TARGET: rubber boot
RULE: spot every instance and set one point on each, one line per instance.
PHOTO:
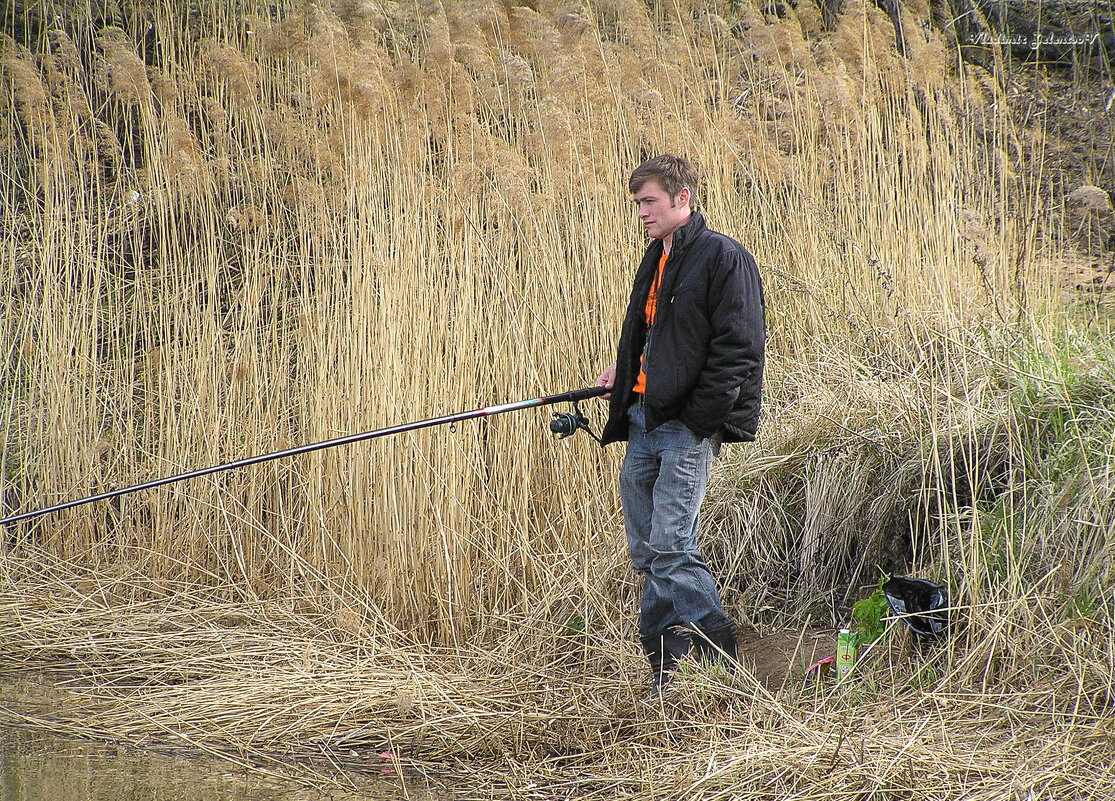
(664, 652)
(717, 646)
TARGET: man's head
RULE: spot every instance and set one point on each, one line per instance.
(663, 192)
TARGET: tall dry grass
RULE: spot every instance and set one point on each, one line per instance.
(285, 690)
(269, 231)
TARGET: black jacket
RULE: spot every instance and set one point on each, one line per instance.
(704, 355)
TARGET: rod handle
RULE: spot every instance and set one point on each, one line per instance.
(574, 395)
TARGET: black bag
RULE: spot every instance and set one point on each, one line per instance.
(922, 605)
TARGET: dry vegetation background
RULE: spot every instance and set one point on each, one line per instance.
(234, 229)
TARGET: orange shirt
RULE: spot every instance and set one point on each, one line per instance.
(651, 310)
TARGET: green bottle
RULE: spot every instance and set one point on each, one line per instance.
(845, 653)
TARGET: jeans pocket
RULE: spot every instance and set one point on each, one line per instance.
(635, 417)
(676, 436)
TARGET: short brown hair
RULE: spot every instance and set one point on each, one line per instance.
(672, 173)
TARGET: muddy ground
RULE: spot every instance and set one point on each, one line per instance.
(1073, 113)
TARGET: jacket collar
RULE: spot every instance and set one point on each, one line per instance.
(683, 238)
(687, 234)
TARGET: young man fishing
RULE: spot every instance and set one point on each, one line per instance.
(687, 378)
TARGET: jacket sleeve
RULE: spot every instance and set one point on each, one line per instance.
(737, 338)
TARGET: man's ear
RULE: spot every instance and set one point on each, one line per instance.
(682, 197)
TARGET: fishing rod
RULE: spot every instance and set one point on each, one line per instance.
(563, 425)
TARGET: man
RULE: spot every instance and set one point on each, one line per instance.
(687, 377)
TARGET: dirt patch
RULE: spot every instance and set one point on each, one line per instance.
(1068, 150)
(778, 658)
(1092, 277)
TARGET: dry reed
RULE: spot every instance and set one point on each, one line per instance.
(333, 222)
(284, 687)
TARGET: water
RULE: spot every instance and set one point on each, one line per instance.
(36, 766)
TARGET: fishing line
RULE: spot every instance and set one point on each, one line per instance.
(572, 396)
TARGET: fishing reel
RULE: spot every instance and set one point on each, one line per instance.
(566, 424)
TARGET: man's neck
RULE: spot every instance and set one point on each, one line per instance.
(668, 239)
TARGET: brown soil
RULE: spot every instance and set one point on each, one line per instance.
(1068, 148)
(779, 658)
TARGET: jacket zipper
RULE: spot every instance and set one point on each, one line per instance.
(646, 363)
(646, 354)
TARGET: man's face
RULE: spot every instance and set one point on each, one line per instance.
(660, 215)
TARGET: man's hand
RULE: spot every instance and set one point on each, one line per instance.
(607, 380)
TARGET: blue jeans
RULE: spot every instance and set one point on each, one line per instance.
(662, 483)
